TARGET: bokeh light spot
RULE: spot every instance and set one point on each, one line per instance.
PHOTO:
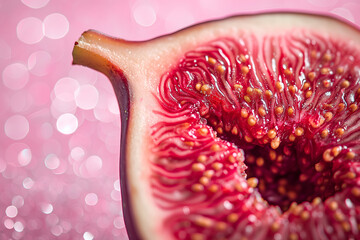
(24, 157)
(28, 183)
(47, 208)
(52, 161)
(30, 30)
(91, 199)
(88, 236)
(65, 89)
(86, 97)
(11, 211)
(93, 164)
(18, 226)
(144, 15)
(39, 63)
(67, 123)
(16, 127)
(35, 3)
(56, 26)
(15, 76)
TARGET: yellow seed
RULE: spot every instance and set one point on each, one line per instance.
(197, 187)
(260, 161)
(339, 132)
(204, 222)
(287, 72)
(242, 58)
(306, 86)
(316, 201)
(221, 69)
(244, 113)
(319, 167)
(355, 191)
(333, 205)
(238, 86)
(353, 107)
(198, 167)
(244, 70)
(305, 215)
(201, 158)
(279, 110)
(313, 54)
(279, 86)
(211, 60)
(275, 143)
(209, 173)
(272, 133)
(203, 131)
(327, 57)
(198, 86)
(350, 155)
(292, 90)
(275, 226)
(248, 138)
(251, 121)
(299, 131)
(281, 190)
(328, 116)
(291, 111)
(346, 226)
(339, 216)
(247, 98)
(215, 147)
(308, 94)
(220, 226)
(324, 133)
(217, 166)
(272, 155)
(292, 137)
(232, 217)
(189, 143)
(231, 159)
(325, 71)
(204, 180)
(235, 130)
(262, 111)
(252, 182)
(326, 83)
(327, 155)
(213, 188)
(268, 94)
(220, 130)
(292, 195)
(340, 70)
(249, 90)
(293, 236)
(341, 107)
(345, 84)
(197, 236)
(335, 151)
(303, 177)
(205, 88)
(311, 76)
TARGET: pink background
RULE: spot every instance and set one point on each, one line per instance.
(59, 124)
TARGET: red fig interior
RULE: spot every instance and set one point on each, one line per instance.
(243, 128)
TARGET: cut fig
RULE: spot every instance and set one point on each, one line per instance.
(243, 128)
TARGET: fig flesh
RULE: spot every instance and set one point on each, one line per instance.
(243, 128)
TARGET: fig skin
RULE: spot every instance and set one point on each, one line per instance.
(135, 70)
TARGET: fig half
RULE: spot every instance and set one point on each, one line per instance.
(243, 128)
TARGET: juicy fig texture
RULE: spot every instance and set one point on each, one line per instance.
(244, 128)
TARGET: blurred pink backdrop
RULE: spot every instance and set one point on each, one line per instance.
(60, 125)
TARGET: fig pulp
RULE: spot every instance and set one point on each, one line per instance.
(243, 128)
